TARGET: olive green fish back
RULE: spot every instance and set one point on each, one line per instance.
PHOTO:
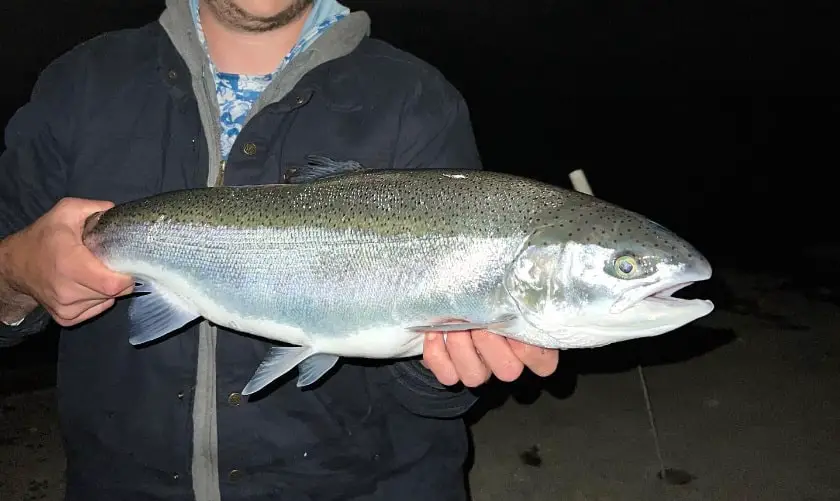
(414, 203)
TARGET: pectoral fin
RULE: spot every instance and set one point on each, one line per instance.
(500, 323)
(152, 316)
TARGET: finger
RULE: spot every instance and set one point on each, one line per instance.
(437, 359)
(94, 312)
(90, 272)
(498, 355)
(71, 312)
(87, 269)
(66, 294)
(76, 210)
(471, 370)
(542, 361)
(87, 314)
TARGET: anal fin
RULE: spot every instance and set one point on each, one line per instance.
(152, 316)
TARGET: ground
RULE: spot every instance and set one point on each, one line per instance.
(746, 401)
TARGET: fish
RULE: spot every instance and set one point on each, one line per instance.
(362, 264)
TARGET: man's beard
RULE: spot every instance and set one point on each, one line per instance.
(231, 14)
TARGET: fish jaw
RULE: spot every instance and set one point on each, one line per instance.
(650, 317)
(644, 311)
(651, 310)
(653, 315)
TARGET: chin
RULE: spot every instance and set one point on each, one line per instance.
(265, 8)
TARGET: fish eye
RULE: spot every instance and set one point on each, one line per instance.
(625, 266)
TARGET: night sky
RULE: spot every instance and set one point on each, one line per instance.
(717, 118)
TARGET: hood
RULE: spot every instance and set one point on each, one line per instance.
(341, 39)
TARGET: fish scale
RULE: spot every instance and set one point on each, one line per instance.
(361, 264)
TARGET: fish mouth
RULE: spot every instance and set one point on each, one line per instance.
(659, 297)
(647, 310)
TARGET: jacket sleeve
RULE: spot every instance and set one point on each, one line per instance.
(435, 132)
(33, 169)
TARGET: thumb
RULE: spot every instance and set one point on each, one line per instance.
(76, 211)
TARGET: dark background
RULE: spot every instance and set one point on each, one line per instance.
(717, 118)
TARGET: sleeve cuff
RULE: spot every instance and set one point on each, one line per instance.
(14, 324)
(419, 391)
(35, 322)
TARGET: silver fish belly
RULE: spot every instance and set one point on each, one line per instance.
(330, 293)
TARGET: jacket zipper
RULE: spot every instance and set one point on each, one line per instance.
(220, 178)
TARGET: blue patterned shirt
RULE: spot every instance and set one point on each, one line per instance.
(237, 93)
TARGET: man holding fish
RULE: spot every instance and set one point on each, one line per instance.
(230, 92)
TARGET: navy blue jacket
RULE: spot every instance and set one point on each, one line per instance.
(117, 118)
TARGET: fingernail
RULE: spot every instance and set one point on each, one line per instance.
(430, 336)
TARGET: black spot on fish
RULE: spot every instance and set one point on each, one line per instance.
(675, 476)
(531, 457)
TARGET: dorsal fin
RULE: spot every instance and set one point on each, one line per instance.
(320, 167)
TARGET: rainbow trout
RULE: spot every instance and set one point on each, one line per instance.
(363, 264)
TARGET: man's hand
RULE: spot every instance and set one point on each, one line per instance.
(471, 357)
(49, 263)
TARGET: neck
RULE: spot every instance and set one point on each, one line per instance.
(245, 53)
